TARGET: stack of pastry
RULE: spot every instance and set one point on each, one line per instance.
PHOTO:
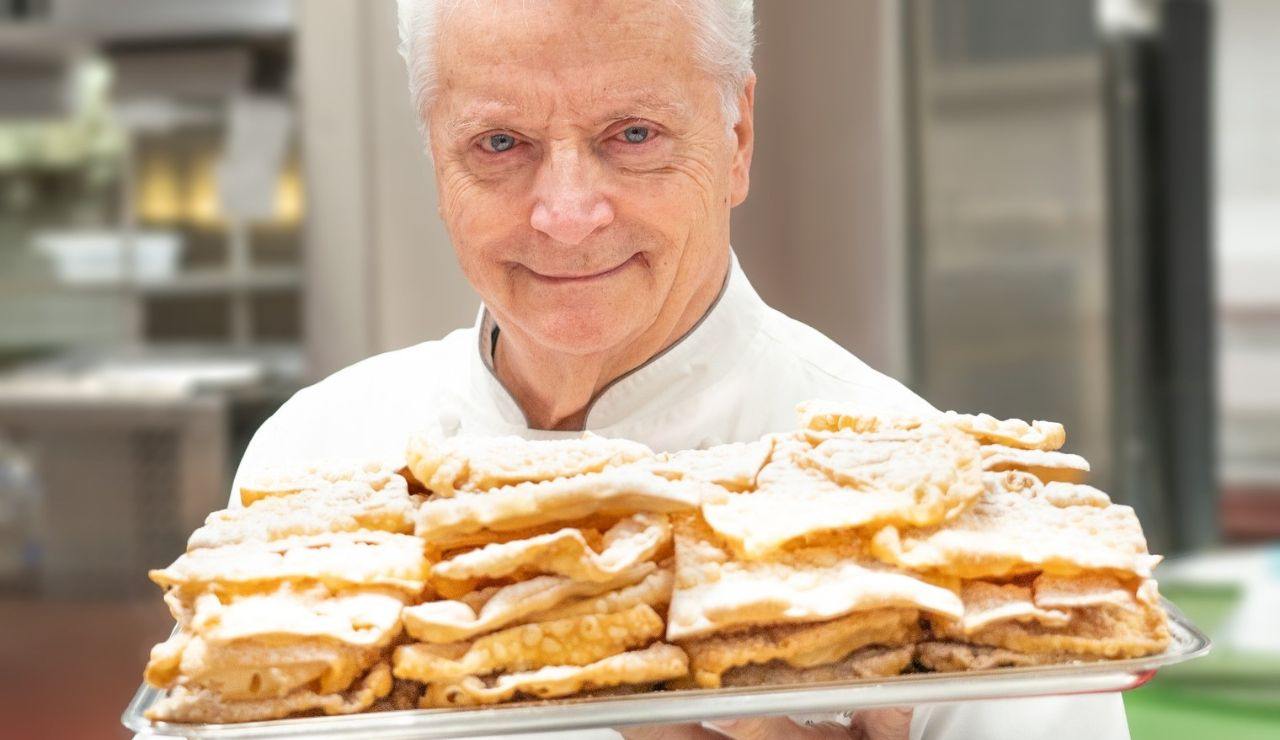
(291, 602)
(492, 570)
(552, 568)
(775, 584)
(1049, 569)
(872, 545)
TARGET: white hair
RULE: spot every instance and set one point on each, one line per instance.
(724, 33)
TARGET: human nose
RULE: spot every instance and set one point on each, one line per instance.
(569, 204)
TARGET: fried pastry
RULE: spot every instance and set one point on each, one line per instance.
(946, 657)
(566, 552)
(716, 591)
(1105, 632)
(1019, 525)
(257, 669)
(336, 559)
(287, 479)
(912, 478)
(1037, 435)
(343, 506)
(185, 704)
(454, 620)
(800, 645)
(618, 491)
(869, 662)
(987, 603)
(733, 467)
(658, 662)
(570, 641)
(1047, 466)
(367, 615)
(654, 591)
(469, 463)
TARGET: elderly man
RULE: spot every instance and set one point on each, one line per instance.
(587, 155)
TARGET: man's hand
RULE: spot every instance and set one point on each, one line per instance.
(872, 724)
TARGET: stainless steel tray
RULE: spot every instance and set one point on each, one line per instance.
(704, 704)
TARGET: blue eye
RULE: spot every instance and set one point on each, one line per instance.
(636, 134)
(501, 142)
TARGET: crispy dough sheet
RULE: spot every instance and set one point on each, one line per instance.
(566, 552)
(363, 616)
(1102, 631)
(257, 670)
(1038, 435)
(572, 641)
(1088, 589)
(1018, 526)
(800, 646)
(658, 662)
(868, 662)
(343, 506)
(733, 467)
(654, 591)
(616, 491)
(946, 657)
(1047, 466)
(986, 604)
(202, 705)
(820, 419)
(715, 591)
(828, 417)
(469, 463)
(1087, 615)
(911, 478)
(310, 475)
(336, 559)
(454, 620)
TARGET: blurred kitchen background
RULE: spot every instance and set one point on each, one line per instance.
(1060, 209)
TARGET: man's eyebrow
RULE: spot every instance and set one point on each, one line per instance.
(478, 118)
(484, 116)
(647, 105)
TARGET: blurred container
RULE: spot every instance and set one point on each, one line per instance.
(124, 481)
(89, 257)
(1229, 593)
(20, 502)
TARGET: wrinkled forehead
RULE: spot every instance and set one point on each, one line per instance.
(571, 59)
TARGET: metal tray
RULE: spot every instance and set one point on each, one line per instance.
(705, 704)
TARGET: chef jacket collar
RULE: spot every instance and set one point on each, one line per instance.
(709, 349)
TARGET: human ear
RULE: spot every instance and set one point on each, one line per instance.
(744, 142)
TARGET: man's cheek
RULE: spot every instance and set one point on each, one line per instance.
(480, 218)
(681, 196)
(466, 189)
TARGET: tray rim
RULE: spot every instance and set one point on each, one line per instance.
(702, 704)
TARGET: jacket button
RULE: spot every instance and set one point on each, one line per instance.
(450, 423)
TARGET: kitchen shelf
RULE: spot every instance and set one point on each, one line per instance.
(216, 281)
(192, 282)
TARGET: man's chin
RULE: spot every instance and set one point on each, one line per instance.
(583, 335)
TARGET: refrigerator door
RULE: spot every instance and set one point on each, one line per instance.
(1059, 247)
(1009, 244)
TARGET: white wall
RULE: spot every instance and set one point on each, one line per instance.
(380, 271)
(1247, 159)
(821, 233)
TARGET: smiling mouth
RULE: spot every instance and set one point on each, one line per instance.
(581, 278)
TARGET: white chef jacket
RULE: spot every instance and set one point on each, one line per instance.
(737, 375)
